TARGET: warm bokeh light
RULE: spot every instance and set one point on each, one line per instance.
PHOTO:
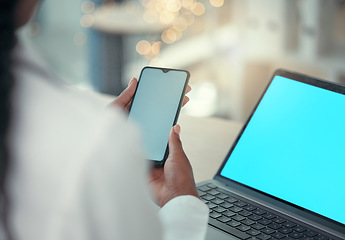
(169, 36)
(198, 9)
(156, 47)
(173, 6)
(87, 7)
(143, 47)
(177, 15)
(87, 21)
(217, 3)
(187, 3)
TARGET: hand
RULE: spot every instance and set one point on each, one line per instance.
(176, 177)
(124, 100)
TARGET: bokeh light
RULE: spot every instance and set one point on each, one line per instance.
(198, 9)
(87, 7)
(87, 21)
(143, 47)
(217, 3)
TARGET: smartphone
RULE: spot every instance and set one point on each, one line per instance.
(156, 106)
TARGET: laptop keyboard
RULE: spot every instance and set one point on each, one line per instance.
(247, 221)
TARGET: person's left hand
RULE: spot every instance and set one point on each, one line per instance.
(124, 100)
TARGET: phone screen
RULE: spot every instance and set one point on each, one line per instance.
(155, 107)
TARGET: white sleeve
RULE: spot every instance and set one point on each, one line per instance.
(112, 199)
(184, 218)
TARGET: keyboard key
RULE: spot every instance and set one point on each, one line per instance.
(289, 224)
(208, 197)
(296, 235)
(310, 233)
(259, 212)
(233, 223)
(275, 226)
(258, 226)
(231, 199)
(219, 209)
(210, 185)
(253, 232)
(204, 188)
(265, 221)
(240, 204)
(285, 230)
(224, 219)
(263, 236)
(278, 220)
(217, 201)
(238, 218)
(299, 229)
(278, 235)
(254, 217)
(231, 230)
(245, 213)
(269, 216)
(249, 207)
(267, 230)
(204, 201)
(213, 192)
(211, 205)
(215, 215)
(229, 213)
(247, 222)
(222, 196)
(243, 228)
(236, 209)
(226, 205)
(201, 193)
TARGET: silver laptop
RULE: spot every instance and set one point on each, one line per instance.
(284, 176)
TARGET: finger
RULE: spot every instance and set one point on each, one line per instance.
(189, 88)
(126, 96)
(185, 100)
(175, 144)
(128, 106)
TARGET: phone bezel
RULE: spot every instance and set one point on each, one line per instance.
(160, 163)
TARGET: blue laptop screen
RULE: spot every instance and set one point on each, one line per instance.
(294, 148)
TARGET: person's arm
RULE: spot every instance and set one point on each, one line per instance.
(183, 215)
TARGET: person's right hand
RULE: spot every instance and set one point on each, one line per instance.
(176, 177)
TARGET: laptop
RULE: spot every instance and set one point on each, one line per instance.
(284, 176)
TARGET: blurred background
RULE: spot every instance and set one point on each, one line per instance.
(231, 47)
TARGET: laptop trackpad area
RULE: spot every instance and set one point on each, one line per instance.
(215, 234)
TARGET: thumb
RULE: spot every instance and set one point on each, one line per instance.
(175, 144)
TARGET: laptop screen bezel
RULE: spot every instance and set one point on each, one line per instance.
(330, 223)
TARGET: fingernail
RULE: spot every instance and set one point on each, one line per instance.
(130, 82)
(177, 129)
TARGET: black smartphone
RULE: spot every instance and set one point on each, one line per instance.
(156, 106)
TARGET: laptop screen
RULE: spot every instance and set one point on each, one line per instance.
(294, 148)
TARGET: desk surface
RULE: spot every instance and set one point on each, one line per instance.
(206, 141)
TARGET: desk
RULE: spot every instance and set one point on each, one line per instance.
(206, 141)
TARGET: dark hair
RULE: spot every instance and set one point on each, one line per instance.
(7, 42)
